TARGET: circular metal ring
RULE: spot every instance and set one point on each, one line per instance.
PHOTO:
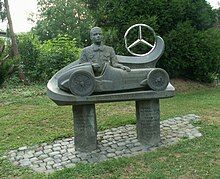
(140, 39)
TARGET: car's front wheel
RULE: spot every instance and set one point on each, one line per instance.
(82, 83)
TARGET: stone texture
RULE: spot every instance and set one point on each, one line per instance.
(85, 128)
(148, 121)
(121, 142)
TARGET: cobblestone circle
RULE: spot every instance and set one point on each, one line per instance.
(112, 143)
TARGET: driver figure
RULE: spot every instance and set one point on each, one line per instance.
(99, 54)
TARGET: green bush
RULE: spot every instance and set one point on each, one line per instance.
(4, 69)
(207, 68)
(6, 64)
(162, 15)
(55, 54)
(192, 54)
(41, 61)
(192, 50)
(28, 45)
(1, 68)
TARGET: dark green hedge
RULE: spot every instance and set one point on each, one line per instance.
(192, 54)
(192, 48)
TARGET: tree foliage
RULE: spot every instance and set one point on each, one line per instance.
(55, 54)
(41, 61)
(28, 45)
(58, 17)
(192, 54)
(217, 11)
(162, 15)
(191, 49)
(2, 11)
(14, 54)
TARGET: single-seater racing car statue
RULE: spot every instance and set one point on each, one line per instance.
(99, 70)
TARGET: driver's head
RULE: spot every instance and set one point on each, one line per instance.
(96, 35)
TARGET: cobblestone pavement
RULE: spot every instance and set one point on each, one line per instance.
(112, 143)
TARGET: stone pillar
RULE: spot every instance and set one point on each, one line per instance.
(85, 127)
(148, 121)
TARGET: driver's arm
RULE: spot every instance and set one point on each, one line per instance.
(83, 58)
(114, 61)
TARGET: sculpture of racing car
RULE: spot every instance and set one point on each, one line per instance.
(79, 79)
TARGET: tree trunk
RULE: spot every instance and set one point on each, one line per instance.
(11, 31)
(13, 40)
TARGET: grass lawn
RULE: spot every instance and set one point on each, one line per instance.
(28, 117)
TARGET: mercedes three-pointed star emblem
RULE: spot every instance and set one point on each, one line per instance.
(140, 39)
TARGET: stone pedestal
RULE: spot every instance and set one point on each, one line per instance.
(85, 127)
(147, 113)
(148, 121)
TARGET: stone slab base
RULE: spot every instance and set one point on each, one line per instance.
(112, 143)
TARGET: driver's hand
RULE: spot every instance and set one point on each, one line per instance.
(95, 66)
(126, 68)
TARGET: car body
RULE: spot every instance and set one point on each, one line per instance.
(65, 88)
(81, 81)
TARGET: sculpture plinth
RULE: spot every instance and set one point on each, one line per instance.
(85, 130)
(148, 121)
(85, 127)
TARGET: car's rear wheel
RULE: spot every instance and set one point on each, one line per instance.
(82, 83)
(158, 79)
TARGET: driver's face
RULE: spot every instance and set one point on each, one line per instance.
(96, 36)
